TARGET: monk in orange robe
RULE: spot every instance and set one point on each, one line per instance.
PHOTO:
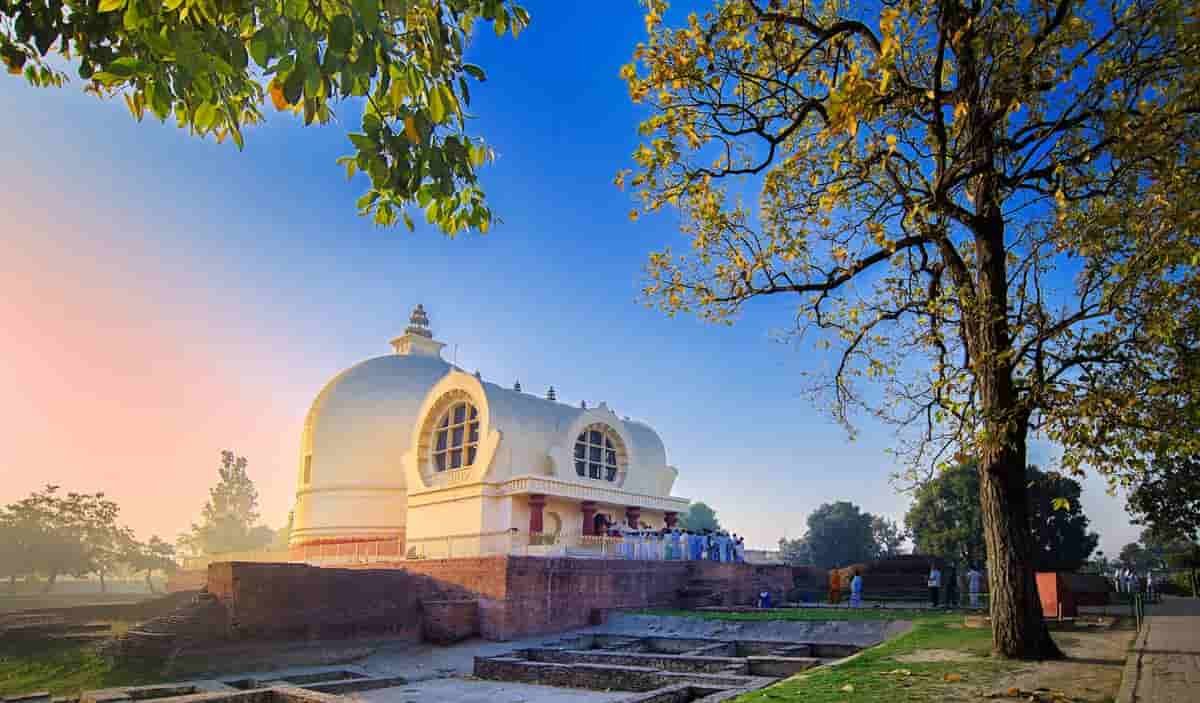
(835, 586)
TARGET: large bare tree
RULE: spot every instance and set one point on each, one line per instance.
(989, 207)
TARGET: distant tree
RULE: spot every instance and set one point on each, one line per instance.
(795, 552)
(150, 556)
(699, 517)
(946, 520)
(1167, 501)
(106, 542)
(888, 536)
(840, 534)
(1061, 539)
(14, 550)
(1134, 556)
(279, 541)
(229, 521)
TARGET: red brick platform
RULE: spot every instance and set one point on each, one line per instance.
(516, 596)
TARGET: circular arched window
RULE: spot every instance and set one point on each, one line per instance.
(456, 437)
(596, 453)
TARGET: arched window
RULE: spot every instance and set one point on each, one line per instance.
(456, 437)
(596, 454)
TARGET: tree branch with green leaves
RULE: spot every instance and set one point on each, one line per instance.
(211, 64)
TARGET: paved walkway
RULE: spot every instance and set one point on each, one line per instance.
(1165, 664)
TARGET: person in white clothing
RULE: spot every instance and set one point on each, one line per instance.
(974, 585)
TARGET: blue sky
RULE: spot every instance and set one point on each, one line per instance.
(255, 270)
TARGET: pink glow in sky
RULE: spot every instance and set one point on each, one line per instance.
(117, 378)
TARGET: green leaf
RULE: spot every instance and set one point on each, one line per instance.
(368, 10)
(111, 5)
(260, 47)
(341, 35)
(501, 23)
(437, 110)
(362, 141)
(475, 72)
(204, 116)
(171, 5)
(293, 85)
(103, 78)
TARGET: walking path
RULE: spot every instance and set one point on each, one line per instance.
(1165, 664)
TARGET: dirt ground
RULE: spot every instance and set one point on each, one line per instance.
(1092, 671)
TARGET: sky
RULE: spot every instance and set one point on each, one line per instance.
(163, 298)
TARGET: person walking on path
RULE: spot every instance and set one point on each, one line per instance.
(935, 584)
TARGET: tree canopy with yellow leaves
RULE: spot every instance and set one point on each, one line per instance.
(211, 64)
(987, 211)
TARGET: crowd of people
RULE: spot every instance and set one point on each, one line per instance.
(947, 589)
(677, 544)
(1129, 581)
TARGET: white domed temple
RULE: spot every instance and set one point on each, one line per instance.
(408, 455)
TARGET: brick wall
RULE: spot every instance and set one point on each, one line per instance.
(515, 596)
(449, 621)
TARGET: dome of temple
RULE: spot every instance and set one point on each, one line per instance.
(408, 445)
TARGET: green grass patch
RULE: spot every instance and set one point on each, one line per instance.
(883, 674)
(62, 668)
(809, 614)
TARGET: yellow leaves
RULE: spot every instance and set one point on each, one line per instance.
(891, 142)
(633, 215)
(952, 678)
(887, 20)
(848, 688)
(839, 254)
(885, 77)
(277, 98)
(410, 130)
(628, 72)
(111, 5)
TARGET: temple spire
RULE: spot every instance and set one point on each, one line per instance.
(417, 339)
(418, 323)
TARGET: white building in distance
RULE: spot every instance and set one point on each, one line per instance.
(408, 455)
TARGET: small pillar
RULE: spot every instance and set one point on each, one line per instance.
(537, 502)
(632, 514)
(589, 516)
(670, 518)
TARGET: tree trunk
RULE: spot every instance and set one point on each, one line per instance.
(12, 584)
(150, 583)
(103, 586)
(1018, 630)
(50, 582)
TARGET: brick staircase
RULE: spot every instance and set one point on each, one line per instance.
(158, 640)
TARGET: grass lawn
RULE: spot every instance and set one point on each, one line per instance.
(817, 614)
(938, 660)
(61, 668)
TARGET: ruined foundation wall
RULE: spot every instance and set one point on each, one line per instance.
(516, 596)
